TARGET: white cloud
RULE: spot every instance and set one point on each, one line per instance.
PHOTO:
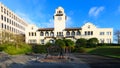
(50, 23)
(69, 22)
(95, 11)
(24, 16)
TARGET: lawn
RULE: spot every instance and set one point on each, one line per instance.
(111, 51)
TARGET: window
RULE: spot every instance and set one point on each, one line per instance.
(88, 26)
(29, 33)
(73, 33)
(108, 40)
(12, 22)
(101, 33)
(91, 32)
(51, 34)
(41, 34)
(32, 41)
(5, 11)
(108, 33)
(32, 34)
(102, 40)
(68, 33)
(1, 9)
(35, 34)
(46, 34)
(78, 33)
(85, 32)
(5, 19)
(59, 11)
(2, 25)
(5, 26)
(60, 34)
(1, 17)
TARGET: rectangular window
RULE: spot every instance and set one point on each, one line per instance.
(108, 33)
(5, 26)
(101, 33)
(35, 33)
(91, 32)
(7, 12)
(5, 19)
(85, 32)
(2, 25)
(88, 32)
(101, 40)
(1, 17)
(4, 11)
(1, 9)
(29, 33)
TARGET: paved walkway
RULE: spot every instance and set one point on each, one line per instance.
(24, 61)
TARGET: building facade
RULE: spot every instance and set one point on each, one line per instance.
(37, 35)
(11, 22)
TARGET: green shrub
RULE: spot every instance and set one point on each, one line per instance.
(39, 49)
(81, 42)
(92, 42)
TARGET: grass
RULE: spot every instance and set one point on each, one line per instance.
(11, 49)
(111, 51)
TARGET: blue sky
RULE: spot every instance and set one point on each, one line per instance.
(102, 13)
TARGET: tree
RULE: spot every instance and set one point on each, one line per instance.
(17, 39)
(60, 43)
(117, 34)
(69, 44)
(92, 42)
(81, 42)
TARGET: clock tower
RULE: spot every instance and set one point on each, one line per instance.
(59, 21)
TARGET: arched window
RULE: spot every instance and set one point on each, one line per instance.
(60, 11)
(78, 33)
(46, 34)
(52, 34)
(73, 33)
(68, 33)
(41, 34)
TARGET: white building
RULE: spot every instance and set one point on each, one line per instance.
(11, 22)
(43, 35)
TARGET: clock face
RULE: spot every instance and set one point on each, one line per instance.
(59, 18)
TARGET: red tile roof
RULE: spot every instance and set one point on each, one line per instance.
(68, 29)
(45, 29)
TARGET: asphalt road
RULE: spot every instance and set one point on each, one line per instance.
(95, 61)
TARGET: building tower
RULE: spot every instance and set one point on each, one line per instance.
(59, 21)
